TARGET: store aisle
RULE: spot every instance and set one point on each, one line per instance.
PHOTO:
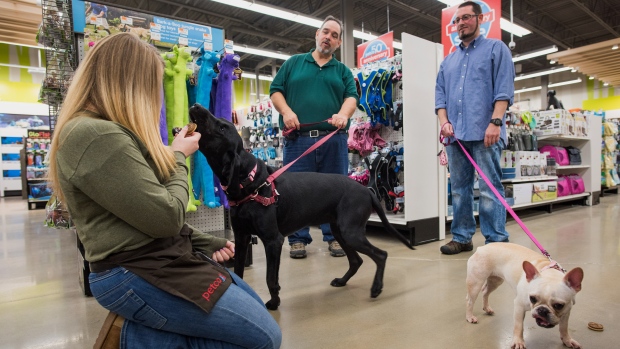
(422, 304)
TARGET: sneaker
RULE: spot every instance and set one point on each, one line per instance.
(298, 250)
(454, 247)
(335, 250)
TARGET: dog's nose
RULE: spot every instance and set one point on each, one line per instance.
(542, 311)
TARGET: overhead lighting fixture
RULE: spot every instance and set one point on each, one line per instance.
(605, 84)
(591, 78)
(533, 54)
(614, 47)
(569, 82)
(253, 76)
(563, 83)
(541, 73)
(295, 17)
(505, 24)
(273, 11)
(551, 62)
(261, 52)
(528, 89)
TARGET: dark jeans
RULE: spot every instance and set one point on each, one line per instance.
(331, 157)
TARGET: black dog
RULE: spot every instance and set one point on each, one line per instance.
(302, 199)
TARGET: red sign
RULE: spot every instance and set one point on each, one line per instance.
(378, 49)
(489, 26)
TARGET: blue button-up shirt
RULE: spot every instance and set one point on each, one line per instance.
(469, 82)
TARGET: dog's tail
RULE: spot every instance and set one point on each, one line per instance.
(376, 205)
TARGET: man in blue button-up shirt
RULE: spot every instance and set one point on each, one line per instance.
(475, 87)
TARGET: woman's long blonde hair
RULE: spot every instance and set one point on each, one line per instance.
(121, 80)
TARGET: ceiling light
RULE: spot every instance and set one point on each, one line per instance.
(541, 73)
(533, 54)
(551, 62)
(569, 82)
(614, 47)
(528, 89)
(295, 17)
(591, 78)
(261, 52)
(505, 24)
(605, 84)
(253, 76)
(573, 70)
(273, 11)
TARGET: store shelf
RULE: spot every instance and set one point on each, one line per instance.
(569, 167)
(398, 218)
(530, 179)
(541, 203)
(560, 199)
(11, 165)
(562, 138)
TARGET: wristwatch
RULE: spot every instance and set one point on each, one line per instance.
(496, 122)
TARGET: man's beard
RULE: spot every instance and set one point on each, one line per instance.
(325, 51)
(467, 36)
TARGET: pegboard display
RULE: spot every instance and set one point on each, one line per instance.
(207, 219)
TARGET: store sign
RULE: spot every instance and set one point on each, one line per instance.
(378, 49)
(489, 26)
(162, 32)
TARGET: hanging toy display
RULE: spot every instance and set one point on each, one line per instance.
(202, 174)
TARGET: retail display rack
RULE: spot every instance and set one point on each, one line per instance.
(36, 147)
(11, 143)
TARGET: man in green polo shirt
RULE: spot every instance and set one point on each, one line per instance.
(308, 88)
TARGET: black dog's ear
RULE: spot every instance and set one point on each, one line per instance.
(230, 172)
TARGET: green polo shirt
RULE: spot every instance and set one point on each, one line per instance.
(314, 93)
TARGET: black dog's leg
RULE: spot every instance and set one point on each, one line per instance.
(273, 250)
(354, 236)
(242, 241)
(355, 261)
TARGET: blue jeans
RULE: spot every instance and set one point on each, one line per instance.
(492, 212)
(158, 319)
(331, 157)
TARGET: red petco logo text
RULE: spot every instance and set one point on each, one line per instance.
(214, 285)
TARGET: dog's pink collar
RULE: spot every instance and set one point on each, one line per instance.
(553, 265)
(249, 179)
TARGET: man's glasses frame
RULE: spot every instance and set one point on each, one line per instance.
(464, 18)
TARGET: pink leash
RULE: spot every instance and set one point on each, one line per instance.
(275, 175)
(508, 208)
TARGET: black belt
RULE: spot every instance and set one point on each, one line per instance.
(317, 133)
(100, 266)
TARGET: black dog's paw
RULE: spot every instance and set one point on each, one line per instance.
(375, 291)
(338, 282)
(273, 304)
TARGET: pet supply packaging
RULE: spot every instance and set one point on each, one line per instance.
(544, 191)
(542, 157)
(581, 125)
(577, 185)
(563, 186)
(558, 153)
(551, 166)
(554, 122)
(509, 173)
(574, 155)
(521, 193)
(520, 163)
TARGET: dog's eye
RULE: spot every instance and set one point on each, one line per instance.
(222, 128)
(558, 306)
(533, 300)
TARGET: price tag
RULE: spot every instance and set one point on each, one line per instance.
(208, 46)
(182, 40)
(155, 36)
(126, 20)
(183, 31)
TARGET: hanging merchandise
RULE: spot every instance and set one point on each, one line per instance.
(202, 174)
(223, 100)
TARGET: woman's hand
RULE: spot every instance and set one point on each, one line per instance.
(225, 253)
(186, 144)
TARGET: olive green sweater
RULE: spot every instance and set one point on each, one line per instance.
(112, 193)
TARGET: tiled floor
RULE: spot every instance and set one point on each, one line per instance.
(422, 304)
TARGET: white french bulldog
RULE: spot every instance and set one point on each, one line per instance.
(546, 291)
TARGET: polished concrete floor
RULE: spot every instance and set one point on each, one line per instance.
(422, 304)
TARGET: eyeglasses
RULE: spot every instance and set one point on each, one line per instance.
(464, 18)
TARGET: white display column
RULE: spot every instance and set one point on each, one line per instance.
(425, 192)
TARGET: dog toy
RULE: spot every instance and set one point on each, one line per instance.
(180, 108)
(202, 174)
(223, 105)
(169, 60)
(163, 125)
